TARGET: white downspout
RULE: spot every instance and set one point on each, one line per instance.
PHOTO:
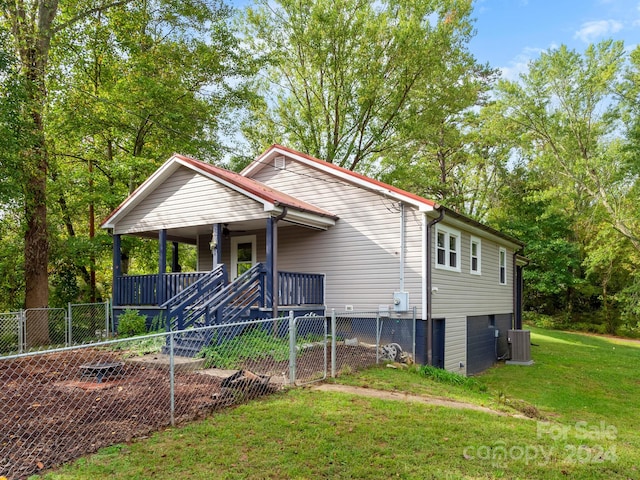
(403, 241)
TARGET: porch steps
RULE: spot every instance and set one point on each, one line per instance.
(188, 343)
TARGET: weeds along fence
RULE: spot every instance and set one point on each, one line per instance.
(62, 403)
(45, 328)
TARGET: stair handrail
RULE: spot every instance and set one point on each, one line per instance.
(192, 289)
(196, 294)
(234, 290)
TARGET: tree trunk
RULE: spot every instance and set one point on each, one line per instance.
(33, 41)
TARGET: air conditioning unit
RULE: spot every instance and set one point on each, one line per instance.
(520, 347)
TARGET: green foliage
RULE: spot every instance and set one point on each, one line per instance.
(346, 77)
(445, 376)
(255, 343)
(131, 323)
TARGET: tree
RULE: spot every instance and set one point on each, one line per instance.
(564, 111)
(564, 120)
(134, 85)
(344, 75)
(43, 35)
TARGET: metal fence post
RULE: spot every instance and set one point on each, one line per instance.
(292, 349)
(377, 338)
(333, 343)
(69, 335)
(21, 330)
(172, 392)
(106, 320)
(414, 333)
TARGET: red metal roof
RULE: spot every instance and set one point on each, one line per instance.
(258, 189)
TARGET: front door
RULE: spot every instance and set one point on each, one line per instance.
(243, 254)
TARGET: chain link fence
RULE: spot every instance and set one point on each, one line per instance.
(66, 402)
(46, 328)
(363, 339)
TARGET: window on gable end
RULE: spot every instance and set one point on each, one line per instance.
(502, 258)
(476, 256)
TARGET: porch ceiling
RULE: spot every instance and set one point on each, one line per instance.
(189, 235)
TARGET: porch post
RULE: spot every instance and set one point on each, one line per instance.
(175, 258)
(216, 245)
(271, 296)
(162, 266)
(117, 269)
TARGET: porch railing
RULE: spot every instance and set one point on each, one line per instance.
(300, 288)
(143, 289)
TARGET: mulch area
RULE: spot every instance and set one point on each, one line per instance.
(53, 413)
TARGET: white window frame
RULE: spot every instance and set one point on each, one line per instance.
(502, 266)
(234, 253)
(449, 233)
(475, 241)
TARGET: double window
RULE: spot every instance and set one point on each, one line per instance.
(447, 248)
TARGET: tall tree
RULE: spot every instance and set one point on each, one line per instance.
(134, 85)
(140, 34)
(567, 118)
(564, 119)
(345, 74)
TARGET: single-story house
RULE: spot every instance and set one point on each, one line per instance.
(311, 236)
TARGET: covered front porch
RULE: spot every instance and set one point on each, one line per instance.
(234, 223)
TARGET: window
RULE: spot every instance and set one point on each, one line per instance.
(447, 248)
(243, 255)
(475, 255)
(503, 266)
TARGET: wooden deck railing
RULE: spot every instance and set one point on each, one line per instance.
(300, 288)
(142, 290)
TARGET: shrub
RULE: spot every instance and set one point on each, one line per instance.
(540, 320)
(444, 376)
(131, 323)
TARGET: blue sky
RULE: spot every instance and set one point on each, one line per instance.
(512, 32)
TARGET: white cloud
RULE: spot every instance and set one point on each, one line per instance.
(520, 64)
(591, 31)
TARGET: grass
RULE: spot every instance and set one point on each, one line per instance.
(587, 387)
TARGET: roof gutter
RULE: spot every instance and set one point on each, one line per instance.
(428, 294)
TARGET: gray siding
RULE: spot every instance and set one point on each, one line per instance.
(360, 255)
(464, 294)
(188, 199)
(455, 344)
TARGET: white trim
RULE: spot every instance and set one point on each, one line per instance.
(233, 266)
(501, 251)
(475, 240)
(448, 233)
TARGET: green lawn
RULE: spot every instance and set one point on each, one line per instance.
(586, 387)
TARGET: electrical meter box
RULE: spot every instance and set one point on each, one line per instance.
(400, 301)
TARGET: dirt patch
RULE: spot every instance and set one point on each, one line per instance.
(407, 397)
(52, 414)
